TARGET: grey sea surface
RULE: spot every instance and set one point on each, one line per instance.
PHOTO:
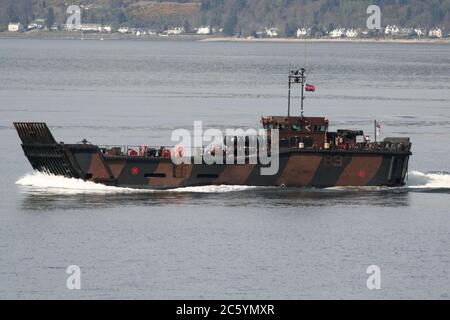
(222, 242)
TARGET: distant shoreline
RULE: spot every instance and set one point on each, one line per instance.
(327, 40)
(71, 35)
(66, 35)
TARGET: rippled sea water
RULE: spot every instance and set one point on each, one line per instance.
(226, 241)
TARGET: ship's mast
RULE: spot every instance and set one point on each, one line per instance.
(296, 77)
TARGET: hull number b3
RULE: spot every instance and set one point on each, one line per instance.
(332, 161)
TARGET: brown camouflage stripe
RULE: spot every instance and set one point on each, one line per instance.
(116, 167)
(299, 170)
(235, 174)
(98, 167)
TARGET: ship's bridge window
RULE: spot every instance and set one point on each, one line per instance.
(268, 126)
(319, 128)
(283, 126)
(296, 127)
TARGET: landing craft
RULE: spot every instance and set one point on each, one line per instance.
(308, 156)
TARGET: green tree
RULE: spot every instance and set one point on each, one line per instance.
(50, 18)
(121, 17)
(408, 14)
(290, 29)
(12, 15)
(229, 27)
(187, 26)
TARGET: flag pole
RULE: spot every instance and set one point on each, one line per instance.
(303, 85)
(289, 94)
(375, 129)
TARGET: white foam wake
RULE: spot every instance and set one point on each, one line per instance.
(43, 182)
(420, 180)
(214, 189)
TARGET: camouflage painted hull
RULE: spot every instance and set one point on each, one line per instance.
(297, 168)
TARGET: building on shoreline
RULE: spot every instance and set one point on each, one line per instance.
(174, 31)
(435, 33)
(351, 33)
(204, 30)
(303, 32)
(15, 27)
(90, 27)
(94, 27)
(420, 32)
(337, 33)
(272, 32)
(391, 30)
(124, 30)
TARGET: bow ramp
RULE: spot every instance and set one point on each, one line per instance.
(68, 160)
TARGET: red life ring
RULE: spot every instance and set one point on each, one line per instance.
(166, 153)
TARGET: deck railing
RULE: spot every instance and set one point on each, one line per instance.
(166, 151)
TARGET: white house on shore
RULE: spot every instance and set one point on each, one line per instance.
(419, 32)
(352, 33)
(92, 27)
(435, 33)
(391, 30)
(106, 29)
(204, 30)
(337, 33)
(124, 30)
(15, 27)
(303, 32)
(272, 32)
(175, 31)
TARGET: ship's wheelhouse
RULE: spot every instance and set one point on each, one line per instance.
(309, 132)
